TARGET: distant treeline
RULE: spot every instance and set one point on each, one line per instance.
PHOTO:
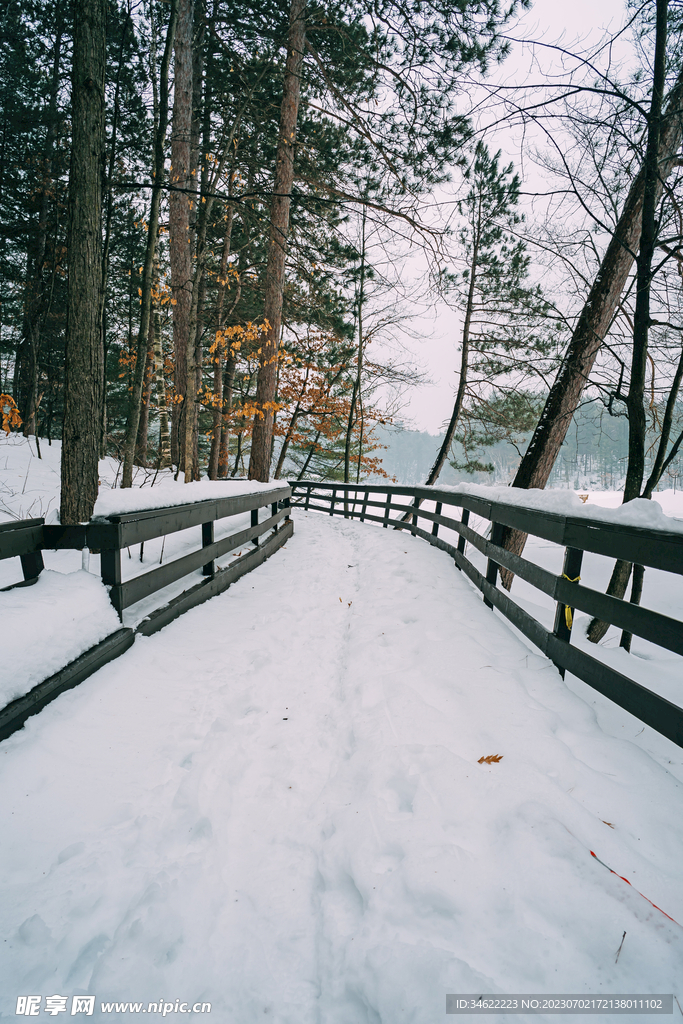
(593, 455)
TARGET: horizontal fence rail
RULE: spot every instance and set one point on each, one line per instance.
(382, 504)
(114, 534)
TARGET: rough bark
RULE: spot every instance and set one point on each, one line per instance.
(359, 364)
(198, 220)
(164, 460)
(108, 210)
(219, 355)
(648, 238)
(135, 403)
(259, 462)
(36, 290)
(143, 426)
(594, 321)
(84, 357)
(637, 424)
(180, 248)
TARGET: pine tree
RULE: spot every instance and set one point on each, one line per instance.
(508, 337)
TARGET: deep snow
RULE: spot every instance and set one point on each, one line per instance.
(49, 624)
(68, 611)
(275, 805)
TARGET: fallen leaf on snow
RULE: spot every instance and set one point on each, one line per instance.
(490, 759)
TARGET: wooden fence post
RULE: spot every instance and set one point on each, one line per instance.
(110, 569)
(365, 506)
(492, 567)
(464, 519)
(386, 511)
(207, 538)
(435, 525)
(32, 564)
(254, 522)
(564, 615)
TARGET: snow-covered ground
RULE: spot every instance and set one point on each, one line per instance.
(68, 611)
(276, 805)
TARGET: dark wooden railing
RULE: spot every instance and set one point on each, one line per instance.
(114, 534)
(399, 507)
(23, 540)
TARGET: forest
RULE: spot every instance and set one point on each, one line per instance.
(218, 221)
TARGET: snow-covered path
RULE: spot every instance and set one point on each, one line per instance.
(275, 806)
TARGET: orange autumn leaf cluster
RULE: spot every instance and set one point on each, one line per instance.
(9, 412)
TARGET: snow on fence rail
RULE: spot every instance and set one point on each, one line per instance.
(111, 535)
(656, 548)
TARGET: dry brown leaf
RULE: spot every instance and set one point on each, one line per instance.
(607, 822)
(490, 759)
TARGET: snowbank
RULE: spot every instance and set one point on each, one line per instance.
(47, 625)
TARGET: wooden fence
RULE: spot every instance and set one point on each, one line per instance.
(577, 534)
(112, 536)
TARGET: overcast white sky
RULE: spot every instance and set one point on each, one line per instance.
(578, 20)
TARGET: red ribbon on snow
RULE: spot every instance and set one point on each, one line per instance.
(633, 887)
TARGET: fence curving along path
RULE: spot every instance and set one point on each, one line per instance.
(113, 534)
(655, 548)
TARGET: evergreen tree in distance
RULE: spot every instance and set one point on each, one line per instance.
(508, 335)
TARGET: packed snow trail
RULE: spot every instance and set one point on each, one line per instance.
(275, 805)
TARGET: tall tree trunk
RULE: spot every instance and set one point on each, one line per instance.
(359, 364)
(180, 247)
(641, 320)
(219, 354)
(464, 364)
(648, 237)
(594, 321)
(35, 302)
(228, 389)
(238, 455)
(84, 362)
(108, 204)
(135, 401)
(143, 425)
(359, 461)
(198, 220)
(164, 460)
(259, 462)
(445, 448)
